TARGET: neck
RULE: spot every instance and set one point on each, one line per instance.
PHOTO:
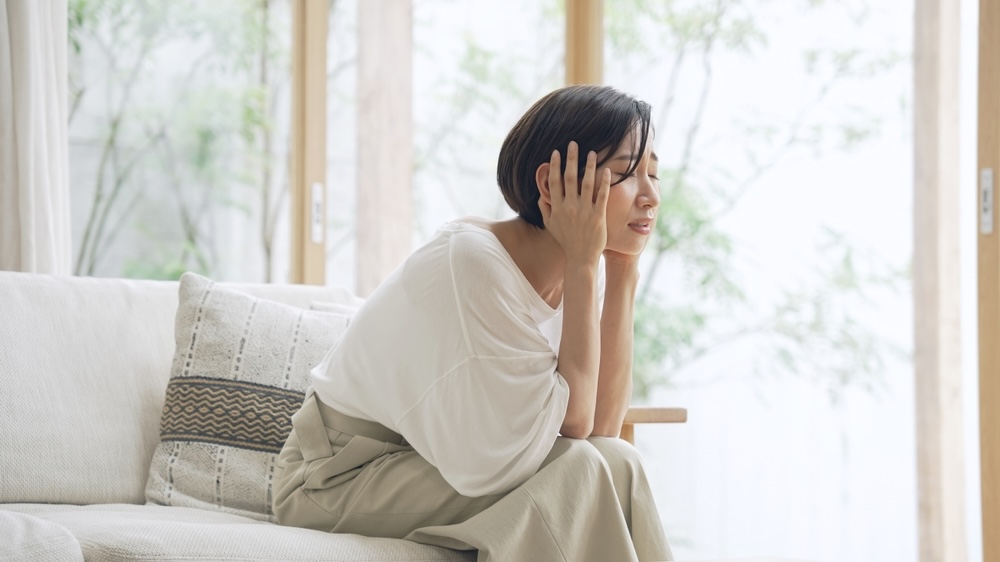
(537, 254)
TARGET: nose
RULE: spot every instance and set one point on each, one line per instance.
(649, 194)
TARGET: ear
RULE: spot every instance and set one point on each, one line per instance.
(542, 181)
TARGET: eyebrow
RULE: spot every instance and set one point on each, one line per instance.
(630, 157)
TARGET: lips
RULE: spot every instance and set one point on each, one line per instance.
(643, 227)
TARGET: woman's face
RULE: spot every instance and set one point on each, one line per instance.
(632, 204)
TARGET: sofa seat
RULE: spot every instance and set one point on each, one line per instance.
(126, 532)
(26, 538)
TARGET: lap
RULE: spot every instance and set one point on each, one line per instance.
(399, 492)
(365, 486)
(396, 494)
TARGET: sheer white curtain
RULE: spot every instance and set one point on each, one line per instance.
(34, 177)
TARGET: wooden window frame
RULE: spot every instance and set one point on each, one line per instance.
(308, 142)
(989, 276)
(584, 42)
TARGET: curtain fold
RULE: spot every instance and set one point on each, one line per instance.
(35, 224)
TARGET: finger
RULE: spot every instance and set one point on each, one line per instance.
(556, 190)
(587, 187)
(571, 187)
(603, 189)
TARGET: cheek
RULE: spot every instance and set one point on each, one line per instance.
(618, 203)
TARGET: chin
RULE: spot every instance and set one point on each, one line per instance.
(627, 249)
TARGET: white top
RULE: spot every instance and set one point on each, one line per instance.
(456, 352)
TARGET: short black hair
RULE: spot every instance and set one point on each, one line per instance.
(596, 117)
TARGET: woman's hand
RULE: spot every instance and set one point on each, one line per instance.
(576, 213)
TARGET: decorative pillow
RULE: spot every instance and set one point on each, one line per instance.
(240, 370)
(342, 309)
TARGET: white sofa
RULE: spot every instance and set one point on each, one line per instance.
(85, 365)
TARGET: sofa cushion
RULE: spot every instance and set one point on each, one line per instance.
(84, 364)
(27, 538)
(239, 372)
(112, 533)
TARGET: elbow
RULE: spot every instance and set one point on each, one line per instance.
(608, 425)
(580, 428)
(606, 430)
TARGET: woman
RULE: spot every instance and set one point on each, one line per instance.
(436, 416)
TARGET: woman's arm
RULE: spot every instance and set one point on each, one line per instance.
(576, 218)
(579, 349)
(614, 390)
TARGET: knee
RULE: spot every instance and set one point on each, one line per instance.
(579, 453)
(618, 454)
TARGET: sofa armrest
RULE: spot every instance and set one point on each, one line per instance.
(648, 414)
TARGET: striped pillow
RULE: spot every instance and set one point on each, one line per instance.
(239, 372)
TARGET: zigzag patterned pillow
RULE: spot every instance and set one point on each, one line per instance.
(239, 372)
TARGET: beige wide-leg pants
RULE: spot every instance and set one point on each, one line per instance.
(589, 501)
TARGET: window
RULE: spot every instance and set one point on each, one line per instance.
(179, 138)
(776, 300)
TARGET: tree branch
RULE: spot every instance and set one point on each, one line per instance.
(89, 244)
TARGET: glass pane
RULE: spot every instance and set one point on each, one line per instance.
(776, 302)
(179, 137)
(476, 71)
(476, 68)
(341, 142)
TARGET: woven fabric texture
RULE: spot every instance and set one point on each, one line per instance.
(26, 538)
(239, 414)
(117, 533)
(239, 372)
(84, 367)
